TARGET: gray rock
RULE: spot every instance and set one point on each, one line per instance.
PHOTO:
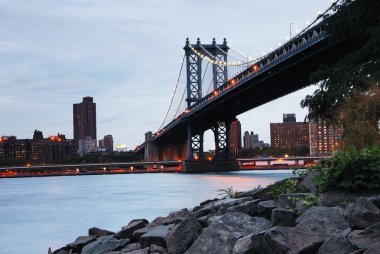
(157, 249)
(81, 241)
(138, 233)
(276, 240)
(219, 206)
(314, 227)
(253, 243)
(337, 244)
(211, 219)
(221, 236)
(183, 235)
(103, 245)
(375, 200)
(362, 239)
(283, 217)
(172, 218)
(373, 249)
(248, 207)
(293, 201)
(131, 247)
(203, 220)
(342, 197)
(308, 182)
(335, 215)
(127, 231)
(114, 252)
(264, 208)
(99, 232)
(156, 235)
(61, 252)
(271, 241)
(362, 214)
(141, 251)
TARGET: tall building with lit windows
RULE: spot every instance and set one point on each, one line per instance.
(324, 138)
(235, 137)
(84, 116)
(289, 134)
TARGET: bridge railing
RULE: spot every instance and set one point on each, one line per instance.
(297, 44)
(294, 46)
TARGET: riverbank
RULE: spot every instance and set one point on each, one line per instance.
(257, 221)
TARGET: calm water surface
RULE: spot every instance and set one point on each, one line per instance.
(39, 212)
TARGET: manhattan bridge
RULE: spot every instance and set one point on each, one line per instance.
(220, 83)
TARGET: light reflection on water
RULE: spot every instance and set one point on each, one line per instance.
(39, 212)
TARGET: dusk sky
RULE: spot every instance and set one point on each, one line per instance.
(127, 54)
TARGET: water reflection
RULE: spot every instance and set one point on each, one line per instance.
(52, 211)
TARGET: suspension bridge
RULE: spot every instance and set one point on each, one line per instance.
(218, 89)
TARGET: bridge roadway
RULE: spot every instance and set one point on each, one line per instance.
(283, 71)
(267, 163)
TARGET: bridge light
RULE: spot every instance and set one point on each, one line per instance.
(233, 82)
(209, 158)
(77, 170)
(162, 166)
(28, 165)
(286, 155)
(255, 67)
(215, 92)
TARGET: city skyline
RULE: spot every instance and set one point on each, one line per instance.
(53, 54)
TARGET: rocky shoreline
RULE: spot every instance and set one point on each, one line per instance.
(335, 222)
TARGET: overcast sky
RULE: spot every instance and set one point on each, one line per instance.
(126, 54)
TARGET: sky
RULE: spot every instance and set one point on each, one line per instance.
(126, 54)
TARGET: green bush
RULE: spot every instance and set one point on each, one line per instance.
(285, 186)
(350, 170)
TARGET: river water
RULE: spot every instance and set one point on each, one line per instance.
(39, 212)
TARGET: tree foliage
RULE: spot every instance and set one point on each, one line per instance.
(355, 75)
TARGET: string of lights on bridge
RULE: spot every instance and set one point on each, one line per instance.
(250, 60)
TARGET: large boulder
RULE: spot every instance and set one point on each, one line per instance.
(308, 182)
(337, 244)
(375, 200)
(274, 240)
(283, 217)
(362, 239)
(264, 208)
(172, 218)
(219, 206)
(362, 213)
(103, 245)
(373, 249)
(81, 241)
(99, 232)
(127, 231)
(183, 235)
(248, 207)
(131, 247)
(342, 197)
(220, 237)
(314, 227)
(140, 251)
(156, 235)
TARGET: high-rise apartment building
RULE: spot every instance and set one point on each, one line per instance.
(235, 137)
(247, 140)
(84, 115)
(108, 143)
(324, 138)
(289, 134)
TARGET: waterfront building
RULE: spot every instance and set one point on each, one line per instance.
(324, 138)
(289, 134)
(84, 116)
(255, 140)
(87, 145)
(247, 140)
(108, 143)
(38, 150)
(235, 137)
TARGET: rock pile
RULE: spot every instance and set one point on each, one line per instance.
(244, 225)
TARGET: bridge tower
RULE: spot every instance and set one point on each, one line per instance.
(221, 129)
